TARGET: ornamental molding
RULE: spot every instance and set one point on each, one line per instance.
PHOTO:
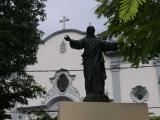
(62, 87)
(63, 47)
(139, 94)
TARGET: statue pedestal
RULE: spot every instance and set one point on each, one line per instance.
(96, 98)
(102, 111)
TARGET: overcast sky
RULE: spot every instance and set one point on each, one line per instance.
(80, 13)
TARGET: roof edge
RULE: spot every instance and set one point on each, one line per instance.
(61, 31)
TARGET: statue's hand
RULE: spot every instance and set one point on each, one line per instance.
(67, 38)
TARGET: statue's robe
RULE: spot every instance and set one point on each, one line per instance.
(93, 62)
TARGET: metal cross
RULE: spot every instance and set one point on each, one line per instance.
(64, 20)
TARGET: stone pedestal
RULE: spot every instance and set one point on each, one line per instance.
(102, 111)
(96, 98)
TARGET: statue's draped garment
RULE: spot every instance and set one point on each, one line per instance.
(93, 62)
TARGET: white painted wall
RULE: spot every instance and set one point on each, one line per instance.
(50, 58)
(146, 77)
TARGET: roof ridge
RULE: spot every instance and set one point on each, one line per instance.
(61, 31)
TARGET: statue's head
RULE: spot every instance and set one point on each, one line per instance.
(90, 31)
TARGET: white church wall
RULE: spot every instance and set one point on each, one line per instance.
(41, 78)
(108, 84)
(146, 77)
(79, 82)
(108, 81)
(50, 58)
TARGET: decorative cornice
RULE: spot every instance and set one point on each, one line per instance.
(31, 108)
(54, 94)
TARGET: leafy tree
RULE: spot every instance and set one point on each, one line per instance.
(129, 8)
(19, 40)
(155, 118)
(139, 39)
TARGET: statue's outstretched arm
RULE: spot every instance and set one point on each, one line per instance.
(109, 46)
(76, 44)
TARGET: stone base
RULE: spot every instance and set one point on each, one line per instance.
(96, 98)
(102, 111)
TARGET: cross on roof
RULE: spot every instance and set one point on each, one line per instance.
(64, 20)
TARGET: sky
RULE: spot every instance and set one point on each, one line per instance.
(80, 13)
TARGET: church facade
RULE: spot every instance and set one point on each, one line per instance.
(59, 69)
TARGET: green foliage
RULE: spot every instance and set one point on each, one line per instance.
(154, 118)
(129, 8)
(19, 40)
(138, 39)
